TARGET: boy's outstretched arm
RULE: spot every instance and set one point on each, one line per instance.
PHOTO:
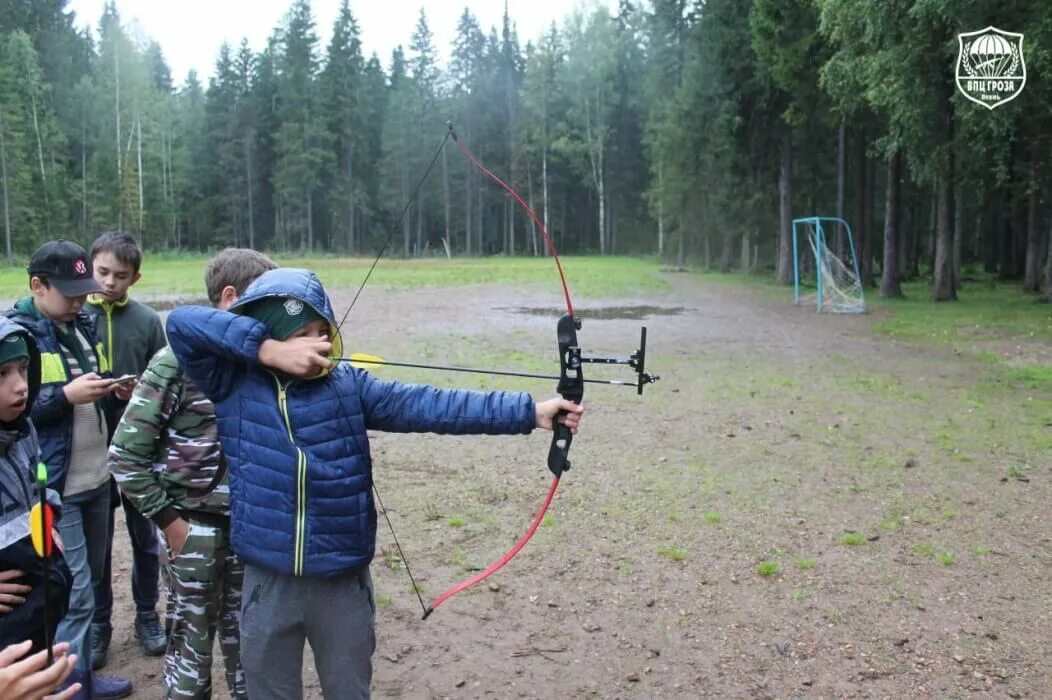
(548, 410)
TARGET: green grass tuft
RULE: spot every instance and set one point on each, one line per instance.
(673, 553)
(768, 568)
(853, 539)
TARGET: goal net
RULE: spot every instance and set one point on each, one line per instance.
(829, 276)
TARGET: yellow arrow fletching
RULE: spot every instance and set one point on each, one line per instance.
(40, 523)
(363, 360)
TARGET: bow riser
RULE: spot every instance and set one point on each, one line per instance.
(571, 388)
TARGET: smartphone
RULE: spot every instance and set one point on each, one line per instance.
(125, 379)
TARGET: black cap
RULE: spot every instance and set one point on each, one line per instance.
(65, 265)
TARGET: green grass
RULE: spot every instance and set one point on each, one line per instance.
(587, 276)
(1032, 376)
(804, 564)
(924, 549)
(768, 568)
(455, 521)
(947, 558)
(853, 539)
(984, 310)
(711, 517)
(673, 553)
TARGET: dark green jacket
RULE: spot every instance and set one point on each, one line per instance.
(131, 333)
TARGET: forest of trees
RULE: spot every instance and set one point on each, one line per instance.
(694, 130)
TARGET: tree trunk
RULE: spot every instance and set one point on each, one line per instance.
(784, 273)
(958, 233)
(419, 225)
(7, 196)
(43, 172)
(544, 194)
(889, 279)
(310, 223)
(841, 187)
(601, 187)
(942, 272)
(445, 199)
(1032, 264)
(405, 219)
(138, 162)
(1048, 268)
(83, 179)
(352, 243)
(467, 208)
(681, 251)
(868, 228)
(480, 243)
(529, 195)
(661, 208)
(117, 112)
(248, 191)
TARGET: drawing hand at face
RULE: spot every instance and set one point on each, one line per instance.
(303, 354)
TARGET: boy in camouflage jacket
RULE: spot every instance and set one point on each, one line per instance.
(170, 423)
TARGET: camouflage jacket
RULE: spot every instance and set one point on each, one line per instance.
(165, 453)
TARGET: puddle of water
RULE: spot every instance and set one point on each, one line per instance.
(603, 313)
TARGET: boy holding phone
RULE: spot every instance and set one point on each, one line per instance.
(72, 413)
(130, 333)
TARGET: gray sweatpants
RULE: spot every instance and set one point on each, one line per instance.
(336, 615)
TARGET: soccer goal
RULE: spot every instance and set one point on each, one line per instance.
(837, 282)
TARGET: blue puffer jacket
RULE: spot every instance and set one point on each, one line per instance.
(297, 450)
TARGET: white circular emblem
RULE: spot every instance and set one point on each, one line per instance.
(293, 307)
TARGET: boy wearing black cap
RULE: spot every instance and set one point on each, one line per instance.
(293, 425)
(71, 414)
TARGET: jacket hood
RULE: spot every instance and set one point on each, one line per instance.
(297, 283)
(8, 328)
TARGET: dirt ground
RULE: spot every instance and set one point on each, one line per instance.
(800, 508)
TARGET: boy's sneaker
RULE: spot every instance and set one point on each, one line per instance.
(100, 646)
(105, 687)
(150, 633)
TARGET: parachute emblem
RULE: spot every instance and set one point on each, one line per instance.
(990, 66)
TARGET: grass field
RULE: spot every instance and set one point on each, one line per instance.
(805, 504)
(588, 276)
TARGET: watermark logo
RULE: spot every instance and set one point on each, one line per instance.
(990, 66)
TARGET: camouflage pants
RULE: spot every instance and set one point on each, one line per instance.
(205, 582)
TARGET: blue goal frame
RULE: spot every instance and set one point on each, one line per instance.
(816, 221)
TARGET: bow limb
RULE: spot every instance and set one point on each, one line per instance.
(571, 387)
(499, 564)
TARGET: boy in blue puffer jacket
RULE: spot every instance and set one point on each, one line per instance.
(293, 428)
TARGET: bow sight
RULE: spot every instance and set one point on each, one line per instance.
(636, 361)
(571, 382)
